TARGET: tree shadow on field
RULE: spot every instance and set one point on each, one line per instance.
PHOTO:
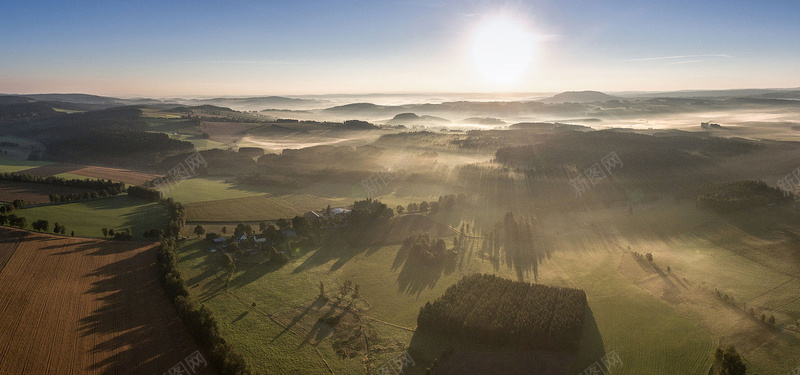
(416, 275)
(134, 327)
(335, 247)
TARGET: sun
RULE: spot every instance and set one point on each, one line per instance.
(502, 49)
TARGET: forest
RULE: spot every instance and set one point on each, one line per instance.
(491, 310)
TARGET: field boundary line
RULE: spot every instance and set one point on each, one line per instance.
(791, 278)
(324, 361)
(391, 324)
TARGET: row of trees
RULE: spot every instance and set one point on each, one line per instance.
(55, 198)
(497, 311)
(739, 195)
(112, 188)
(445, 202)
(121, 235)
(177, 216)
(369, 210)
(16, 204)
(197, 318)
(145, 193)
(39, 225)
(14, 221)
(423, 248)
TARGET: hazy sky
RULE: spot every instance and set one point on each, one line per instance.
(187, 48)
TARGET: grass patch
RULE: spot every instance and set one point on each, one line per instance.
(262, 207)
(87, 218)
(209, 189)
(10, 166)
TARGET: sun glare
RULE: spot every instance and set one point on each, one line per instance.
(502, 49)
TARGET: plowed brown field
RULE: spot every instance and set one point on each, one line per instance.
(115, 174)
(83, 306)
(32, 192)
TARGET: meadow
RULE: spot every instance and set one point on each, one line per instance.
(648, 332)
(257, 208)
(86, 218)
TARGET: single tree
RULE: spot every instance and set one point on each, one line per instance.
(400, 209)
(282, 223)
(111, 232)
(224, 230)
(424, 207)
(728, 362)
(105, 232)
(771, 320)
(199, 230)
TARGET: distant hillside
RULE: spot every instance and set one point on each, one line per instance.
(13, 99)
(793, 94)
(414, 119)
(740, 195)
(362, 109)
(77, 98)
(580, 97)
(547, 126)
(258, 103)
(483, 121)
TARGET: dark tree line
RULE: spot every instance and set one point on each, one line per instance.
(145, 193)
(177, 216)
(369, 210)
(423, 248)
(14, 221)
(111, 188)
(727, 362)
(491, 310)
(740, 195)
(197, 318)
(444, 203)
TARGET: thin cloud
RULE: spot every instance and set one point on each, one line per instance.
(680, 57)
(686, 62)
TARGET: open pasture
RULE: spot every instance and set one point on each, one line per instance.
(261, 207)
(86, 218)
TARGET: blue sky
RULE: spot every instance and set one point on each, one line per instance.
(315, 47)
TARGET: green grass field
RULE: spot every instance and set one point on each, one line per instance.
(648, 335)
(256, 208)
(10, 166)
(202, 189)
(87, 218)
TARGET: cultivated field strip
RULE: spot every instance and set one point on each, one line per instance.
(9, 241)
(81, 306)
(115, 174)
